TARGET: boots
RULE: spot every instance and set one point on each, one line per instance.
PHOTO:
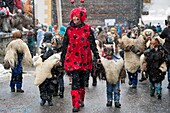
(159, 94)
(117, 105)
(82, 95)
(42, 102)
(94, 81)
(12, 89)
(75, 100)
(109, 103)
(50, 103)
(144, 77)
(152, 91)
(61, 94)
(20, 91)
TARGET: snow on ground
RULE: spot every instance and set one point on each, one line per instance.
(4, 74)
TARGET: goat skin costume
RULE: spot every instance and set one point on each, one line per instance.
(43, 69)
(13, 47)
(112, 69)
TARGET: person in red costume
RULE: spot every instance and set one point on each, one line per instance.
(76, 54)
(18, 4)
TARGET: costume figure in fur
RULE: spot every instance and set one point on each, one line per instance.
(133, 48)
(17, 53)
(156, 66)
(111, 69)
(46, 75)
(76, 55)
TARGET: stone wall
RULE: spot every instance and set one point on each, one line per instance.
(124, 11)
(5, 38)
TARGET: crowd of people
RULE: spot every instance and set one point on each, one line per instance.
(82, 49)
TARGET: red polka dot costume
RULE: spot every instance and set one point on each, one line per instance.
(78, 45)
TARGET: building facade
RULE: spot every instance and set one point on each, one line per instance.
(123, 11)
(43, 11)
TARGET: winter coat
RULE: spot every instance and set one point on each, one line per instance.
(77, 45)
(14, 47)
(166, 34)
(154, 60)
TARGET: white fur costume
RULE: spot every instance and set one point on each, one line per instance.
(11, 52)
(131, 59)
(43, 69)
(112, 69)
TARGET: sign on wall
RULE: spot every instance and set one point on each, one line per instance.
(110, 22)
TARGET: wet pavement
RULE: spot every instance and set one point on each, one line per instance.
(132, 100)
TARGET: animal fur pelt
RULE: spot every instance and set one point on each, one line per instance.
(143, 63)
(112, 69)
(132, 59)
(43, 69)
(15, 46)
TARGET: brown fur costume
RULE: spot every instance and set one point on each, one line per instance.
(132, 60)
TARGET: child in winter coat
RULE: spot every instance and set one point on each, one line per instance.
(155, 58)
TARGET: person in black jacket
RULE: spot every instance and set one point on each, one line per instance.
(155, 58)
(166, 35)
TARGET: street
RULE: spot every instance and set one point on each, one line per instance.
(132, 100)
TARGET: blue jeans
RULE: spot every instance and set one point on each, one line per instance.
(133, 78)
(16, 80)
(113, 88)
(157, 87)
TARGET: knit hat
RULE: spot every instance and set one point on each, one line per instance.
(79, 12)
(62, 30)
